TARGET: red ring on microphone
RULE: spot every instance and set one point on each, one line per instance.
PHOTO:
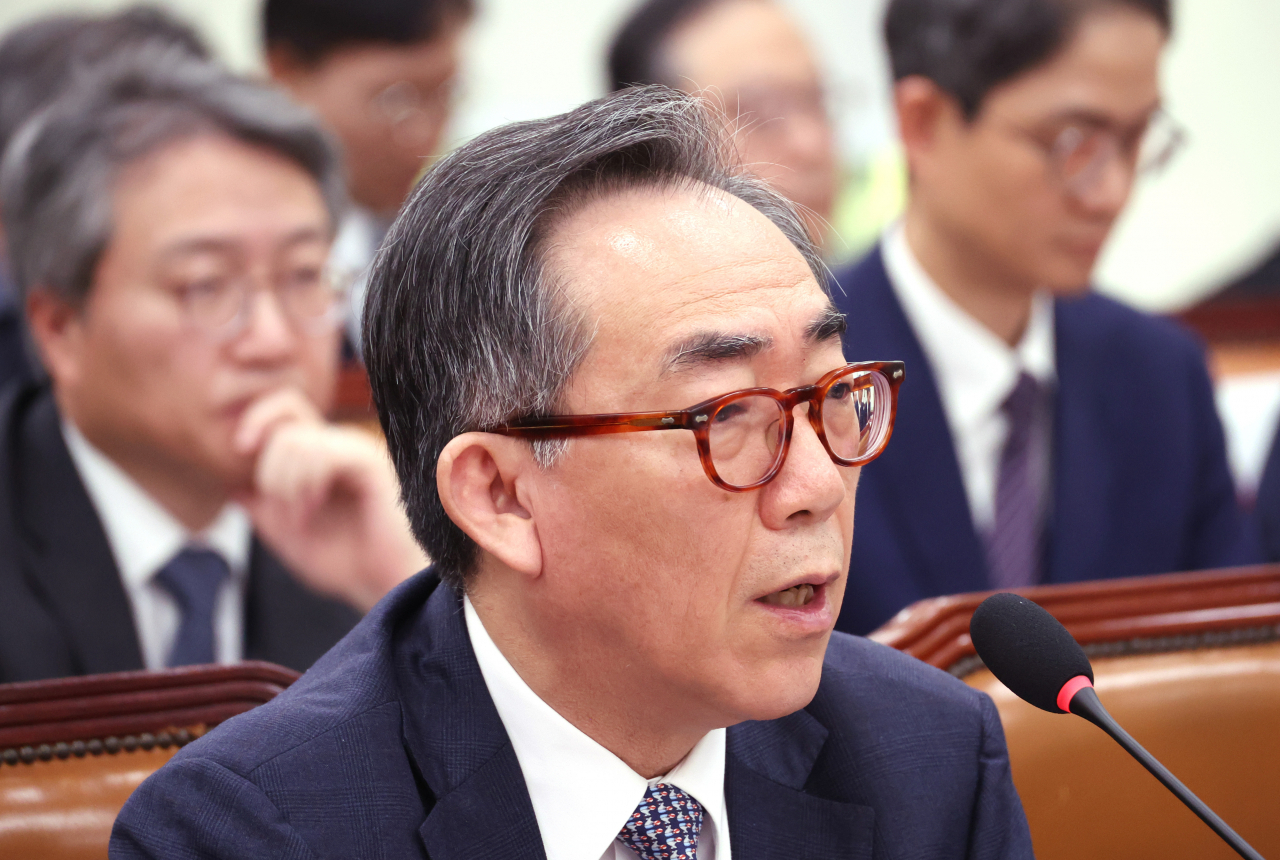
(1069, 690)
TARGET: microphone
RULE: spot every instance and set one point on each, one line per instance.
(1032, 654)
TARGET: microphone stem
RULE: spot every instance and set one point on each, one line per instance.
(1086, 704)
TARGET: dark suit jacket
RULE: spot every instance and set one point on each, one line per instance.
(1267, 504)
(65, 611)
(391, 747)
(1140, 482)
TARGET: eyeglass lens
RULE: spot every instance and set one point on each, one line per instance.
(309, 299)
(745, 435)
(1081, 155)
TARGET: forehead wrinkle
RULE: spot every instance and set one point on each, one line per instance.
(725, 295)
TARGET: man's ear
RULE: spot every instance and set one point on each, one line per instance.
(484, 482)
(922, 107)
(57, 328)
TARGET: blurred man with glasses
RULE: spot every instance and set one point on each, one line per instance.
(381, 74)
(613, 386)
(40, 59)
(752, 61)
(171, 495)
(1050, 434)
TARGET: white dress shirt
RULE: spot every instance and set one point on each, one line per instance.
(975, 370)
(354, 247)
(144, 537)
(583, 794)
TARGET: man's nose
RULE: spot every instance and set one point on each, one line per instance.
(267, 334)
(809, 486)
(1109, 191)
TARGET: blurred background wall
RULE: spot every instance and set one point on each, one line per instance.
(1212, 215)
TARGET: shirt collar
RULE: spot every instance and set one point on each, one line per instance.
(143, 535)
(974, 368)
(357, 239)
(582, 794)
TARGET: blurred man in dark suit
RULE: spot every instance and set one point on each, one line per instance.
(750, 58)
(37, 62)
(607, 601)
(381, 74)
(172, 495)
(1048, 434)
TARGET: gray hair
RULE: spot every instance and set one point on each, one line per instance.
(465, 327)
(40, 59)
(58, 172)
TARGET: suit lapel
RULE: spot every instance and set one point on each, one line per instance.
(771, 817)
(1082, 471)
(65, 554)
(464, 760)
(458, 745)
(918, 475)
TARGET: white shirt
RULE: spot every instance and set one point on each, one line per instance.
(144, 537)
(354, 248)
(975, 370)
(583, 794)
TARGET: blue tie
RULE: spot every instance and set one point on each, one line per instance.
(664, 826)
(194, 577)
(1013, 545)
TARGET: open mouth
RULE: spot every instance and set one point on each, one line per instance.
(792, 598)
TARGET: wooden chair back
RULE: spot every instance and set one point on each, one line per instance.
(1188, 663)
(72, 750)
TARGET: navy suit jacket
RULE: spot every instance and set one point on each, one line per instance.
(1140, 483)
(65, 607)
(1267, 504)
(390, 747)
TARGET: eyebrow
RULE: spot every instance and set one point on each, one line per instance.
(224, 246)
(1090, 116)
(830, 325)
(713, 347)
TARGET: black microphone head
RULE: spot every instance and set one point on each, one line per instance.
(1027, 649)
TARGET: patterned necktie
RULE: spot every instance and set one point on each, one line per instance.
(194, 577)
(664, 826)
(1013, 545)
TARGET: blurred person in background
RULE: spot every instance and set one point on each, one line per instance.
(171, 496)
(37, 62)
(750, 58)
(381, 74)
(1047, 434)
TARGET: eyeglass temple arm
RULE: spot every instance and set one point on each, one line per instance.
(599, 425)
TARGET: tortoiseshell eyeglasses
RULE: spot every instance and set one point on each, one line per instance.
(743, 436)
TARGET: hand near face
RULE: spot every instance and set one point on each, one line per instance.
(326, 499)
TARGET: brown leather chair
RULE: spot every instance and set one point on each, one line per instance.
(73, 749)
(1188, 663)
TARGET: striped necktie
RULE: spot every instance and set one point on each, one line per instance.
(1013, 544)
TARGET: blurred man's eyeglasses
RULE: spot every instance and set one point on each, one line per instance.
(311, 299)
(743, 436)
(1080, 153)
(414, 113)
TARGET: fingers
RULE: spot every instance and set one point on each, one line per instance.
(306, 464)
(297, 467)
(326, 499)
(266, 414)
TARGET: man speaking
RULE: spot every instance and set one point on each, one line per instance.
(625, 646)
